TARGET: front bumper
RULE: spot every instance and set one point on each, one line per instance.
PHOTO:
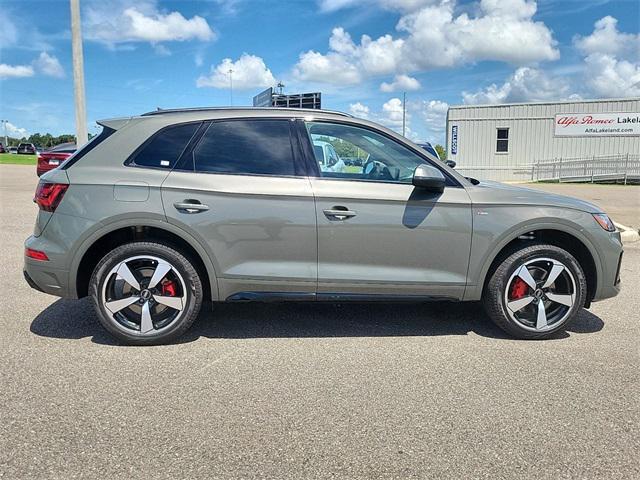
(609, 282)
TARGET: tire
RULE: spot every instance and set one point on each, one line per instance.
(535, 276)
(137, 312)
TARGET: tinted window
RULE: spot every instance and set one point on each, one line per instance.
(165, 147)
(260, 147)
(372, 156)
(87, 147)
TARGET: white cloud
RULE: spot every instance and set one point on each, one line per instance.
(434, 113)
(15, 71)
(124, 21)
(48, 65)
(612, 62)
(607, 76)
(525, 85)
(16, 132)
(249, 71)
(607, 39)
(401, 83)
(392, 114)
(359, 110)
(432, 36)
(330, 68)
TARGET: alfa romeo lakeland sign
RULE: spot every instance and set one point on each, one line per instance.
(596, 124)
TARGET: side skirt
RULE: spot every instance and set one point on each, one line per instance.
(332, 297)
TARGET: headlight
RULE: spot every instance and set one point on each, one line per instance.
(604, 221)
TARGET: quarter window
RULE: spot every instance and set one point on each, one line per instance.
(165, 147)
(254, 147)
(502, 142)
(354, 153)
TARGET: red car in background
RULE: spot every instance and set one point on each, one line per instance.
(50, 159)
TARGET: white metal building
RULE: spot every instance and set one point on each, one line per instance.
(507, 142)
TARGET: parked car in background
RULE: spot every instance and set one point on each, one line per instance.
(2, 149)
(327, 157)
(13, 150)
(27, 149)
(50, 159)
(429, 148)
(164, 211)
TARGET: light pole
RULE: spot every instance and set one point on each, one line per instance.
(6, 140)
(231, 86)
(78, 75)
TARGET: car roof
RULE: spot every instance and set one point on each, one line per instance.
(179, 115)
(253, 110)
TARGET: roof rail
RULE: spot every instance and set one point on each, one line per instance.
(162, 111)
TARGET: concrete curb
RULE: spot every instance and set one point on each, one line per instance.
(627, 234)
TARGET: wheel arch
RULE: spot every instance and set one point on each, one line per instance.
(559, 235)
(93, 249)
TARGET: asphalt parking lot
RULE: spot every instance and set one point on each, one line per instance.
(311, 390)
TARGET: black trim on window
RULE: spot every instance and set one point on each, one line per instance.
(93, 143)
(130, 161)
(314, 170)
(185, 162)
(307, 157)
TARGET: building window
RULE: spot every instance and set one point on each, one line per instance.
(502, 142)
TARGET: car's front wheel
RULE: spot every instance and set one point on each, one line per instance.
(146, 293)
(535, 291)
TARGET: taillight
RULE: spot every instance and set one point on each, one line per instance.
(49, 195)
(36, 254)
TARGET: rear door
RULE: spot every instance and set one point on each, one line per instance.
(240, 190)
(377, 234)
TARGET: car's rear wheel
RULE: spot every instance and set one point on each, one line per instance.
(146, 293)
(536, 291)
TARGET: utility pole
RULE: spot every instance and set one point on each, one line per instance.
(231, 86)
(78, 75)
(404, 112)
(6, 140)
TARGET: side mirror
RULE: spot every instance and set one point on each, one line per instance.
(428, 178)
(450, 163)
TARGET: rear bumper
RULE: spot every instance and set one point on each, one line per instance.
(44, 276)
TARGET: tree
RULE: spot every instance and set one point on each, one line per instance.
(442, 152)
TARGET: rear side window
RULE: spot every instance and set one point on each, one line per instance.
(93, 143)
(254, 147)
(165, 147)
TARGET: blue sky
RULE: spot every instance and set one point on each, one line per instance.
(361, 54)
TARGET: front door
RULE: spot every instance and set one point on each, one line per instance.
(377, 234)
(241, 193)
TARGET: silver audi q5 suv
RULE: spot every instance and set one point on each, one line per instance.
(164, 211)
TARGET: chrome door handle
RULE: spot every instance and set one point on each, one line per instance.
(191, 206)
(338, 213)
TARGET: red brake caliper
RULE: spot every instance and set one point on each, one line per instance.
(518, 289)
(168, 288)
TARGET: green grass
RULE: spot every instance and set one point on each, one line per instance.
(13, 159)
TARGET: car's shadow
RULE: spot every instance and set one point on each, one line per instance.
(76, 319)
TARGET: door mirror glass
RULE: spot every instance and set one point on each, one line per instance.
(428, 178)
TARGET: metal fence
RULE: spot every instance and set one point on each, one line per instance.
(622, 168)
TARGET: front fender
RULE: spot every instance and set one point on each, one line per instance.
(494, 227)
